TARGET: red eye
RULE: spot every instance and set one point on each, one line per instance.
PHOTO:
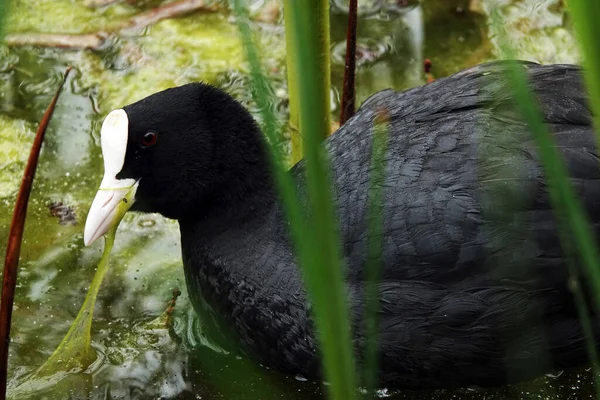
(149, 139)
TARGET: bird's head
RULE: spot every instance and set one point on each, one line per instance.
(177, 152)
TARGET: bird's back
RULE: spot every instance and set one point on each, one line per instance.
(474, 286)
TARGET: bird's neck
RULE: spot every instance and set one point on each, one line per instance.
(231, 211)
(241, 186)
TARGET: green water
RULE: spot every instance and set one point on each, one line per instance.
(136, 361)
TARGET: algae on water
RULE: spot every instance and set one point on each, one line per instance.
(15, 136)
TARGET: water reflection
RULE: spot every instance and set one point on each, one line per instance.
(390, 45)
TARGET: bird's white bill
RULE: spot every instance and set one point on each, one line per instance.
(108, 208)
(115, 196)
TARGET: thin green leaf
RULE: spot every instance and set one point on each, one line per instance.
(291, 65)
(261, 94)
(317, 248)
(325, 276)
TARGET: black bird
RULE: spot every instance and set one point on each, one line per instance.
(474, 287)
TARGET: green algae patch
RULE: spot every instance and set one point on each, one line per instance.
(64, 16)
(172, 53)
(137, 63)
(15, 136)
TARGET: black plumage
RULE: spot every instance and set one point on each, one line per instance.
(474, 287)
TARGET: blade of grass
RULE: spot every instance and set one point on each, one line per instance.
(574, 230)
(261, 94)
(375, 235)
(4, 9)
(317, 46)
(325, 276)
(586, 15)
(322, 60)
(292, 73)
(348, 91)
(316, 248)
(15, 238)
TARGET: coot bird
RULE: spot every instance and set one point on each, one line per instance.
(474, 287)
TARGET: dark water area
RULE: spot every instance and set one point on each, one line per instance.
(137, 359)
